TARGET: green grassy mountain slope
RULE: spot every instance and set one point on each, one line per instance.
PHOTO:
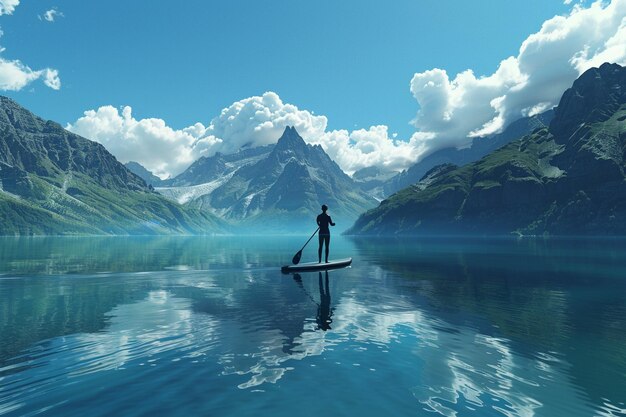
(479, 148)
(55, 182)
(567, 179)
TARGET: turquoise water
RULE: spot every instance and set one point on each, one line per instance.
(203, 326)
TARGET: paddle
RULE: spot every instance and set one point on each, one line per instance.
(297, 256)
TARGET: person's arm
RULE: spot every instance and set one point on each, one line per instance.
(318, 220)
(330, 221)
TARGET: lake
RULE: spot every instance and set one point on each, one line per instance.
(208, 326)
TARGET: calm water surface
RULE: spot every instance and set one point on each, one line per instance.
(208, 326)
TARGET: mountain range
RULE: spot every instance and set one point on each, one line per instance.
(276, 188)
(565, 175)
(55, 182)
(565, 179)
(372, 180)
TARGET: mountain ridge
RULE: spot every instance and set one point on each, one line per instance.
(565, 179)
(55, 182)
(479, 148)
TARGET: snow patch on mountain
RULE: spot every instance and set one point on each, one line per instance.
(186, 194)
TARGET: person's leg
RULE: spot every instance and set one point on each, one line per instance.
(327, 249)
(319, 251)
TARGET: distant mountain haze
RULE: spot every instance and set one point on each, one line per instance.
(139, 170)
(565, 179)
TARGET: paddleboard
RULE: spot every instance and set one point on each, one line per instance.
(316, 266)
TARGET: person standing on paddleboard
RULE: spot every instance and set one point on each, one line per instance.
(323, 220)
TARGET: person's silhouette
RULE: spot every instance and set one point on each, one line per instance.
(323, 220)
(324, 312)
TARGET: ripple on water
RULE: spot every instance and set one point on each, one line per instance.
(487, 374)
(149, 332)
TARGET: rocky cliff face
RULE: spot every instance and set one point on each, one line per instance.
(45, 149)
(207, 169)
(567, 179)
(55, 182)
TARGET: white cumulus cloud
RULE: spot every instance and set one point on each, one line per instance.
(254, 121)
(260, 120)
(8, 6)
(163, 150)
(365, 148)
(453, 110)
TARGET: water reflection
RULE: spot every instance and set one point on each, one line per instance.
(34, 309)
(452, 327)
(324, 311)
(549, 300)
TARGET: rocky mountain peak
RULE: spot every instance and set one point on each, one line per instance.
(290, 139)
(594, 97)
(277, 188)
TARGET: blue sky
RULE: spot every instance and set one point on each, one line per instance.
(184, 61)
(358, 63)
